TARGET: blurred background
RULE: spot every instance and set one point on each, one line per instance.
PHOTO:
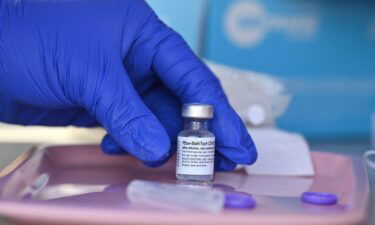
(324, 50)
(321, 51)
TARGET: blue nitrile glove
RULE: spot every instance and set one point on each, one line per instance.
(111, 63)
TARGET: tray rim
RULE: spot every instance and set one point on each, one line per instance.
(138, 217)
(17, 162)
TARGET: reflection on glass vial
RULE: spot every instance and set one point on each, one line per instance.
(196, 144)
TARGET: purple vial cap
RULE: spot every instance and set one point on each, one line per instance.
(319, 198)
(239, 200)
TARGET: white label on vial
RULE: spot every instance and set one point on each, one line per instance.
(195, 156)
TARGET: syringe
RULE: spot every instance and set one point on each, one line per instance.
(172, 196)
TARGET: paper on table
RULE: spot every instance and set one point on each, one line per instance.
(280, 153)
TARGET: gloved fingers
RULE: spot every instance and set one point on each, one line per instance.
(110, 147)
(121, 111)
(160, 162)
(223, 164)
(166, 108)
(233, 139)
(190, 79)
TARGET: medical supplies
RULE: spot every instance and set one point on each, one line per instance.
(319, 198)
(174, 197)
(196, 144)
(239, 200)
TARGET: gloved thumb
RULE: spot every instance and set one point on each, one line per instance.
(112, 99)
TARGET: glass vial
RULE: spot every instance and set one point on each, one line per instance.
(196, 144)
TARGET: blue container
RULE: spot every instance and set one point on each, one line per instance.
(184, 16)
(327, 48)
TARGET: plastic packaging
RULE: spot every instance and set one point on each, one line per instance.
(369, 157)
(258, 98)
(171, 196)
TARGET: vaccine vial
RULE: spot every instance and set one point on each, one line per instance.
(196, 144)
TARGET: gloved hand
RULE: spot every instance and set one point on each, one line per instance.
(111, 63)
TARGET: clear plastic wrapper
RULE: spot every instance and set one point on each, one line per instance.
(174, 197)
(258, 98)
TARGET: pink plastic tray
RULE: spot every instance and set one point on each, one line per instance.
(80, 185)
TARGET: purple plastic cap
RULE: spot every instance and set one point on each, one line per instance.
(239, 200)
(319, 198)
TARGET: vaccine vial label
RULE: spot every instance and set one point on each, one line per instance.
(195, 155)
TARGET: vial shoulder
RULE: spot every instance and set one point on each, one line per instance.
(197, 134)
